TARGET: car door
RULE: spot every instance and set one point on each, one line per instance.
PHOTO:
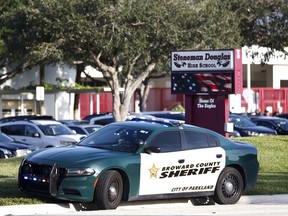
(267, 124)
(33, 137)
(16, 131)
(23, 133)
(209, 159)
(193, 166)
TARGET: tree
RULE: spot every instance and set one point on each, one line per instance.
(161, 70)
(41, 30)
(110, 34)
(265, 23)
(25, 40)
(234, 23)
(202, 32)
(139, 35)
(127, 40)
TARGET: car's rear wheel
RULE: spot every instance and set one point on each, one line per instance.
(109, 190)
(229, 187)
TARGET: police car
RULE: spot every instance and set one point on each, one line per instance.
(139, 160)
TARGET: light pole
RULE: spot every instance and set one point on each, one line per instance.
(40, 94)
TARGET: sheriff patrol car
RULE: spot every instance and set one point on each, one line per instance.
(142, 159)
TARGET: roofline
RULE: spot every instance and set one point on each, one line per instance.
(53, 91)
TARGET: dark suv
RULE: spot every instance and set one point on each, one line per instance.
(167, 114)
(243, 126)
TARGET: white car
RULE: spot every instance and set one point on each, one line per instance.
(107, 119)
(41, 133)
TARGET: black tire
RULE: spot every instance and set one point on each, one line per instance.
(2, 155)
(229, 187)
(109, 190)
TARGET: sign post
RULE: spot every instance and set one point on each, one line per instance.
(207, 78)
(40, 94)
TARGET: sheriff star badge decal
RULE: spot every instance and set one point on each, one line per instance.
(153, 171)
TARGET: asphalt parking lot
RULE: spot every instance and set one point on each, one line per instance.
(63, 208)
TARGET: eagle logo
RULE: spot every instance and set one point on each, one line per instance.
(223, 63)
(180, 64)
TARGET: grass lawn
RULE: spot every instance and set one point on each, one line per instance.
(272, 179)
(272, 157)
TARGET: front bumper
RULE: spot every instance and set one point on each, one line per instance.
(50, 180)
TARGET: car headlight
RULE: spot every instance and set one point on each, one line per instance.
(22, 152)
(6, 151)
(79, 171)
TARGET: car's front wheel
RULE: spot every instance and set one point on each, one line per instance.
(229, 187)
(109, 190)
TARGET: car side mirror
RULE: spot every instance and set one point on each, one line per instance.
(152, 149)
(36, 135)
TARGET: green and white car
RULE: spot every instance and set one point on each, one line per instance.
(140, 160)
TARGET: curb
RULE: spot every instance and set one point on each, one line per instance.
(65, 208)
(267, 199)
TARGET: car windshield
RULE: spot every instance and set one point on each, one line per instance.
(240, 121)
(283, 124)
(55, 130)
(117, 138)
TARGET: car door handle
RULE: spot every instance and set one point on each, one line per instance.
(181, 161)
(219, 155)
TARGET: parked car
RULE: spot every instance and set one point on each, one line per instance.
(73, 122)
(5, 153)
(40, 133)
(88, 117)
(85, 129)
(167, 114)
(102, 120)
(25, 117)
(274, 123)
(245, 127)
(142, 159)
(234, 133)
(107, 119)
(282, 115)
(10, 148)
